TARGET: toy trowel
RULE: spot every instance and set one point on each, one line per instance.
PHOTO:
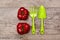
(42, 16)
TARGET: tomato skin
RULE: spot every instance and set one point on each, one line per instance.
(25, 14)
(23, 28)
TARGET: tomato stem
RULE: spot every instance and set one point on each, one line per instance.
(22, 28)
(22, 13)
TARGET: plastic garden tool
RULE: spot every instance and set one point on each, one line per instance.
(42, 16)
(33, 14)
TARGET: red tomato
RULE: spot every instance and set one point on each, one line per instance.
(23, 13)
(23, 28)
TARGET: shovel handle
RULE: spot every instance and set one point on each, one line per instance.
(42, 27)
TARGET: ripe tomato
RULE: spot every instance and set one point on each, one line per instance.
(23, 13)
(23, 28)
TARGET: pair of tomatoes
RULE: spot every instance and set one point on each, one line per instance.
(23, 28)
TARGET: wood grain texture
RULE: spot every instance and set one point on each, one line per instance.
(8, 20)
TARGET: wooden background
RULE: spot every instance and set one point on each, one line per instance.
(8, 20)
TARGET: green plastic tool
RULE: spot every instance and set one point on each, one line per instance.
(42, 16)
(33, 14)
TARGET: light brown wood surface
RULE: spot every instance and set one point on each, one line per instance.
(9, 20)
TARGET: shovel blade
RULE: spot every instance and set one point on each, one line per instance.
(42, 12)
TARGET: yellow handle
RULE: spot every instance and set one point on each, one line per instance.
(33, 27)
(42, 27)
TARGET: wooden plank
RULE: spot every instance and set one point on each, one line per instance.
(28, 3)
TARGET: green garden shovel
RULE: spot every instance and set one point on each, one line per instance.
(42, 16)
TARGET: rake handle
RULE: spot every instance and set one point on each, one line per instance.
(33, 27)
